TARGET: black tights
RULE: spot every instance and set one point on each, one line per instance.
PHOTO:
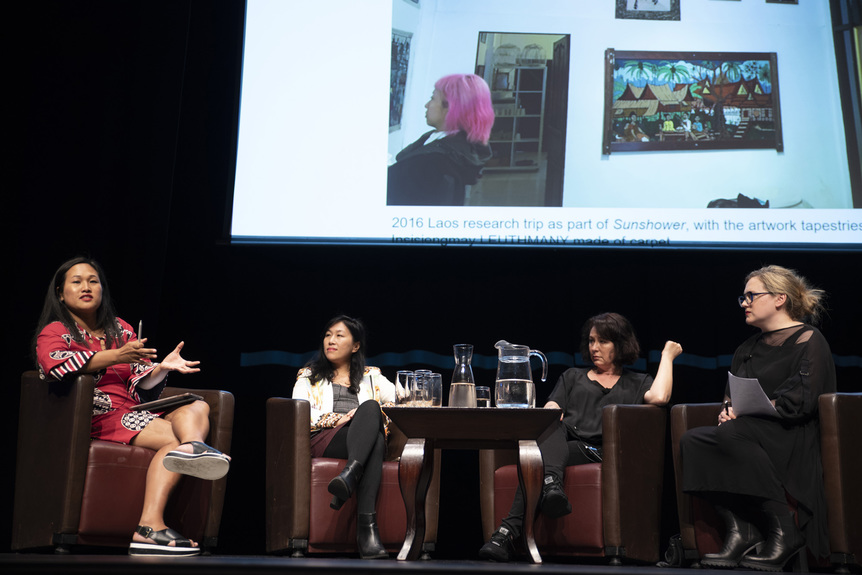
(362, 439)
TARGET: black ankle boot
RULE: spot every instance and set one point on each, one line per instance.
(368, 537)
(741, 538)
(344, 484)
(783, 542)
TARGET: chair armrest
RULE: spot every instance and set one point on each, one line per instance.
(53, 442)
(687, 416)
(683, 417)
(288, 471)
(633, 438)
(395, 443)
(221, 404)
(841, 444)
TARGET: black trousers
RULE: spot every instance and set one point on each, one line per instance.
(363, 439)
(558, 452)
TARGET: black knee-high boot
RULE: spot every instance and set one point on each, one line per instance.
(344, 484)
(741, 538)
(368, 537)
(783, 542)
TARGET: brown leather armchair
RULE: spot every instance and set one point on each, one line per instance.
(841, 443)
(71, 490)
(298, 517)
(840, 446)
(615, 504)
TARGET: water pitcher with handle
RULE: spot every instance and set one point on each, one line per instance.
(514, 386)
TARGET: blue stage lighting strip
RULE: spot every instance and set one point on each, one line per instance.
(489, 362)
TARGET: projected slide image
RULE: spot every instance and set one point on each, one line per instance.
(568, 149)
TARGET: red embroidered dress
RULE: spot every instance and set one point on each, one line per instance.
(116, 386)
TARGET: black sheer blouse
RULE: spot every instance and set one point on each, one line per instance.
(794, 366)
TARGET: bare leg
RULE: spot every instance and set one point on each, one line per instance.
(188, 423)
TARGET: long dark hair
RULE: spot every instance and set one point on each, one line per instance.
(616, 329)
(321, 368)
(55, 310)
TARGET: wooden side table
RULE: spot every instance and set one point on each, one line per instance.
(430, 428)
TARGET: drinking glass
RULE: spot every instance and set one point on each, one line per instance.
(420, 395)
(483, 396)
(403, 386)
(435, 388)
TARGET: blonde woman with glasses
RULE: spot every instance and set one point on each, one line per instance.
(747, 466)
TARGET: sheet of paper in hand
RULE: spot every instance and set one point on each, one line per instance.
(748, 398)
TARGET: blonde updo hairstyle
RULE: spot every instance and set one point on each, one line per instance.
(803, 301)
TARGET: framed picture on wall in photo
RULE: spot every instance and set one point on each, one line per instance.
(648, 9)
(691, 101)
(398, 76)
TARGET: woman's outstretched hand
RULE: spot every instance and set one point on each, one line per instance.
(175, 362)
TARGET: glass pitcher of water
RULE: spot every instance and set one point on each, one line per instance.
(514, 385)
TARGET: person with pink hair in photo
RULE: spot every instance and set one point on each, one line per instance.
(434, 170)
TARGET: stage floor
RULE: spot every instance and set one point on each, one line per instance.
(236, 564)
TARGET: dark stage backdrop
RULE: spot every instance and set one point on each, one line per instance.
(129, 117)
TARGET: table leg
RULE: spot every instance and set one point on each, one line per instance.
(414, 475)
(530, 472)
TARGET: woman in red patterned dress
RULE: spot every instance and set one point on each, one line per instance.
(79, 333)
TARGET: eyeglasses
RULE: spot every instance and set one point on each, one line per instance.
(748, 297)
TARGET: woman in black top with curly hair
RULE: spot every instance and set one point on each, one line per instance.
(609, 341)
